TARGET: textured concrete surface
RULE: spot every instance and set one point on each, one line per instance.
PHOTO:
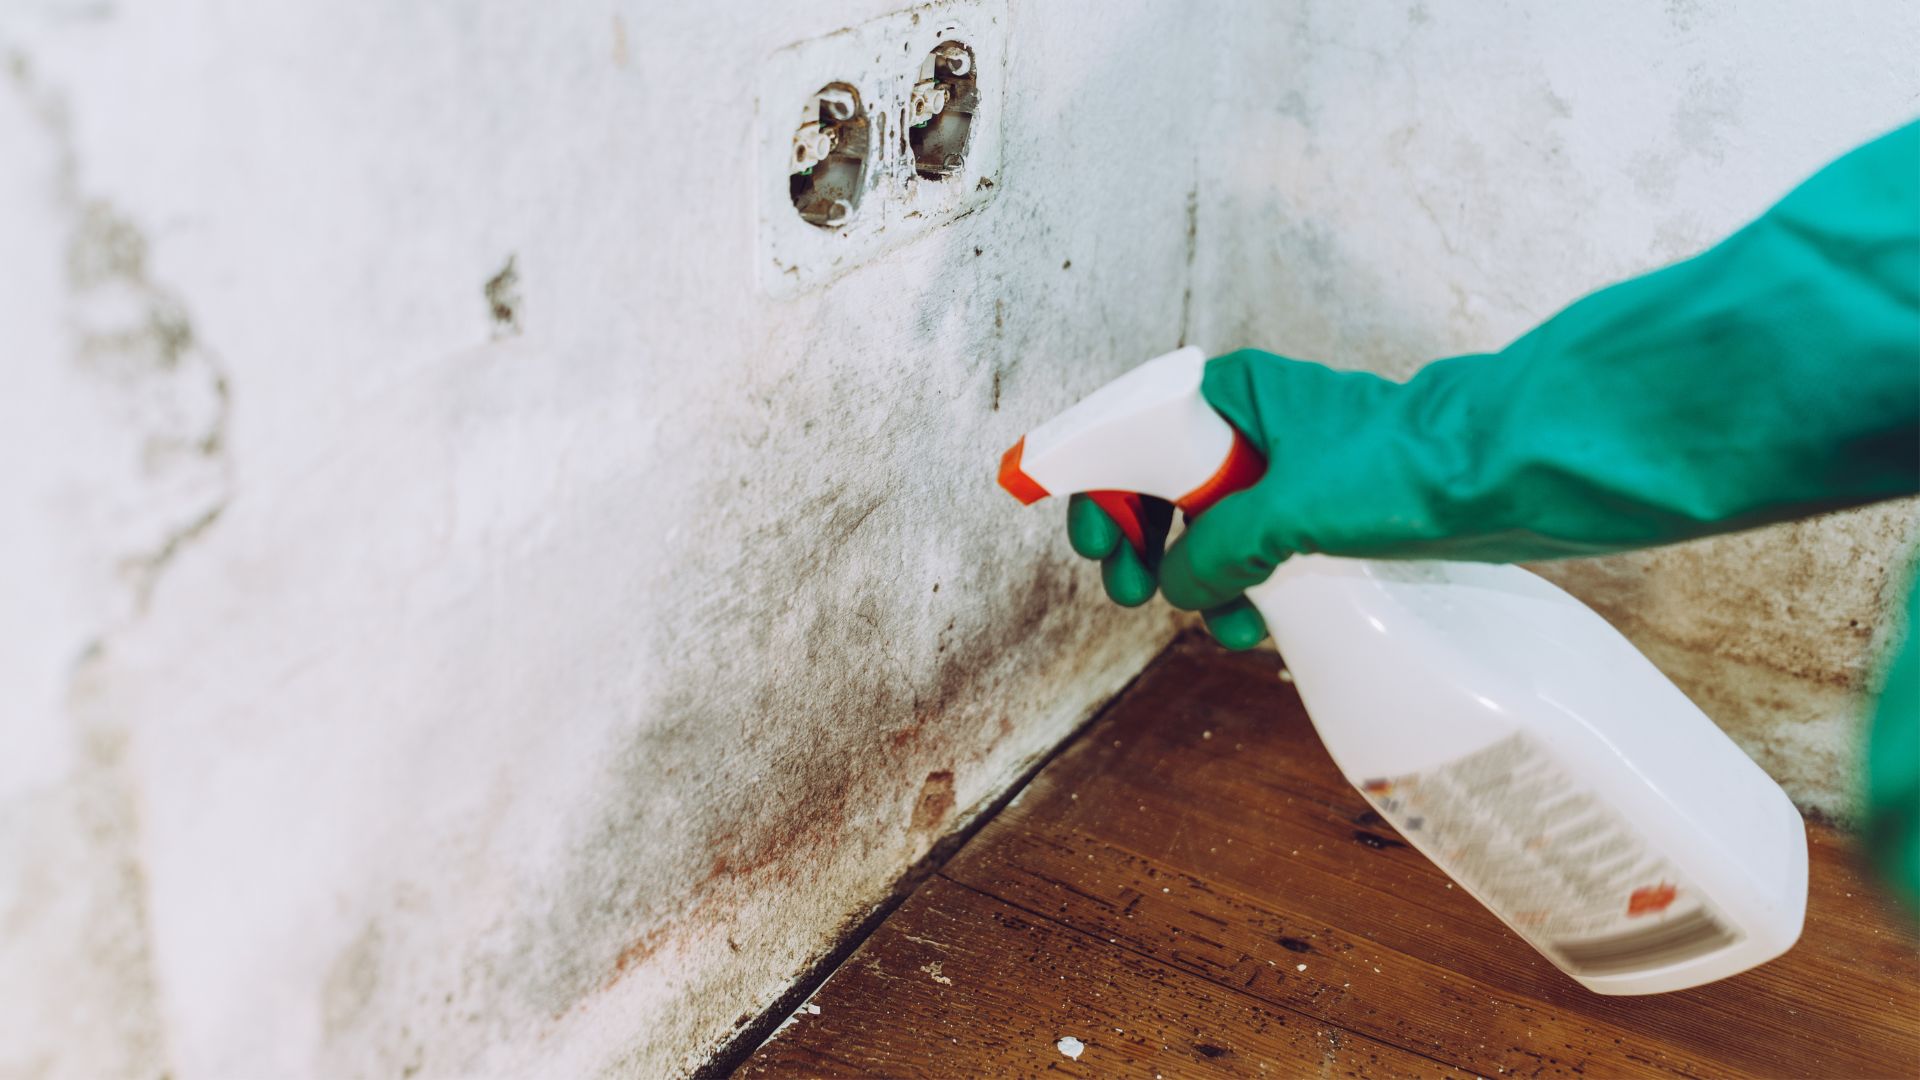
(454, 624)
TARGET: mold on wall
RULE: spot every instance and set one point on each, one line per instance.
(497, 637)
(1777, 634)
(462, 626)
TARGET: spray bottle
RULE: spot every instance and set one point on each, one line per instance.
(1508, 732)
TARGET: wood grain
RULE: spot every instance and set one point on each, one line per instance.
(1191, 889)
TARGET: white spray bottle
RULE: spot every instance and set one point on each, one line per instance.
(1508, 732)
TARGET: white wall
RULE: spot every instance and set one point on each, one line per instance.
(404, 692)
(393, 690)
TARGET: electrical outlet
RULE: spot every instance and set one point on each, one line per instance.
(872, 136)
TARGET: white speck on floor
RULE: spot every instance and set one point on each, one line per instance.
(1070, 1046)
(1206, 734)
(1285, 675)
(812, 1009)
(933, 972)
(1299, 967)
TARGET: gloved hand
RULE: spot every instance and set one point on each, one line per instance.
(1770, 378)
(1130, 578)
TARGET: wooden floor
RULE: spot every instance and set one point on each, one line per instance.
(1191, 889)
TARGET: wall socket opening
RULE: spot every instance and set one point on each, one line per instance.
(940, 111)
(828, 169)
(871, 136)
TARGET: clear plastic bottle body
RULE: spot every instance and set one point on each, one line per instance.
(1511, 734)
(1518, 741)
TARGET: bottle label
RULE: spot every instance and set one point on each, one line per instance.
(1553, 860)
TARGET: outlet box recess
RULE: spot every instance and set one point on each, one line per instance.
(929, 85)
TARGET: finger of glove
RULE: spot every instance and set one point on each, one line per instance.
(1126, 577)
(1236, 625)
(1131, 577)
(1229, 549)
(1090, 530)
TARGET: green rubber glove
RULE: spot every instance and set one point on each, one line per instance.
(1129, 577)
(1773, 377)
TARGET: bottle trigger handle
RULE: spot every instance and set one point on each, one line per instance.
(1148, 433)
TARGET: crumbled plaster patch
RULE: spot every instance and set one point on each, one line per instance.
(933, 972)
(935, 803)
(1070, 1046)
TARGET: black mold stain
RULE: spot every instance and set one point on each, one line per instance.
(503, 300)
(351, 983)
(828, 645)
(146, 351)
(1193, 244)
(105, 248)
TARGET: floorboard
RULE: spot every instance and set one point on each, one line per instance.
(1191, 889)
